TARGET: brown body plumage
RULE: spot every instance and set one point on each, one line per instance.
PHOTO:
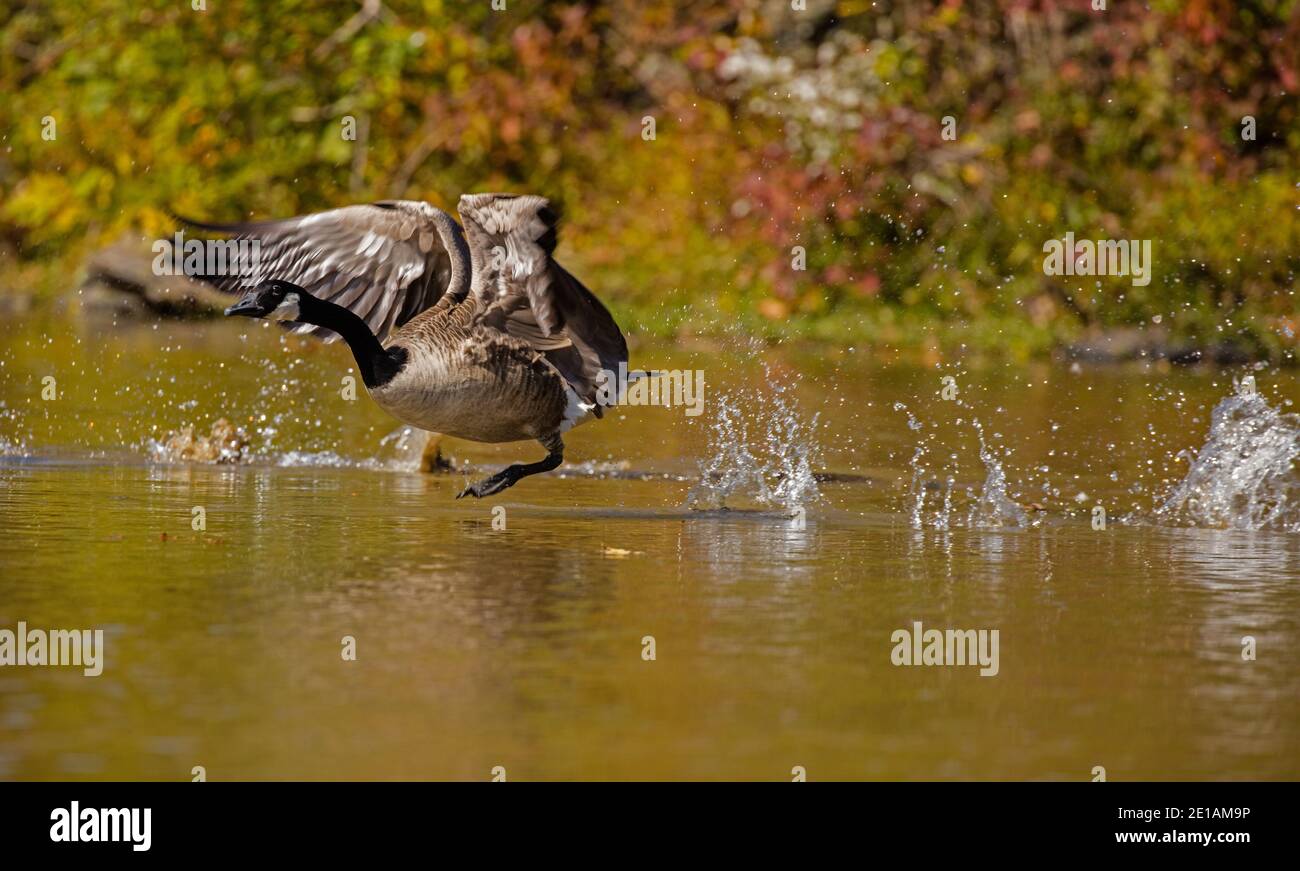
(471, 382)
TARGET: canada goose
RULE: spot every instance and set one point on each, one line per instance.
(488, 338)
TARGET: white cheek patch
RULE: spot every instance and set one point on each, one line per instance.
(287, 310)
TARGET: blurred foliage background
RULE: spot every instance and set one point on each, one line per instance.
(774, 127)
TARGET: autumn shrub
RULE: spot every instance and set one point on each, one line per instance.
(912, 157)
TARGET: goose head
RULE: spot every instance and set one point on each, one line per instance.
(274, 299)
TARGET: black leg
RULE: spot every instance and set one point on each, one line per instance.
(511, 475)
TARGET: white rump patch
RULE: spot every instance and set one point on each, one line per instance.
(576, 411)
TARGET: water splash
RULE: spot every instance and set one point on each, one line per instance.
(319, 460)
(405, 449)
(992, 507)
(793, 449)
(1244, 476)
(918, 470)
(224, 443)
(760, 448)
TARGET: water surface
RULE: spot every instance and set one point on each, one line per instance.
(771, 597)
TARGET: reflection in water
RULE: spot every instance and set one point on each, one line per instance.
(1241, 577)
(750, 546)
(515, 637)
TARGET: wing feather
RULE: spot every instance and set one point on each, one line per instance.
(523, 292)
(384, 261)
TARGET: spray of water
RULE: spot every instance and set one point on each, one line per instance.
(1244, 476)
(402, 450)
(991, 507)
(918, 470)
(994, 507)
(760, 448)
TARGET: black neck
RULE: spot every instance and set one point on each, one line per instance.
(376, 364)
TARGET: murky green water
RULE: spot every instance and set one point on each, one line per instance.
(523, 647)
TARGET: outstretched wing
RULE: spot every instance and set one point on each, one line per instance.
(386, 262)
(525, 293)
